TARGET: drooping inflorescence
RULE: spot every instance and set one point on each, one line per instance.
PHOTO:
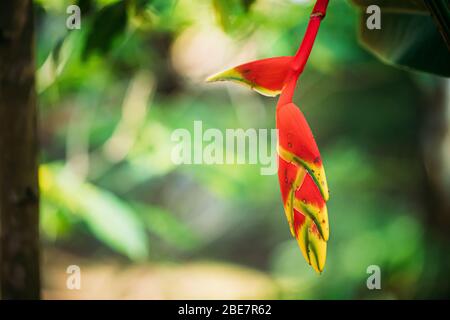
(303, 184)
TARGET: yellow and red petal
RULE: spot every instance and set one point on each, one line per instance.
(309, 200)
(266, 76)
(311, 243)
(290, 176)
(305, 211)
(296, 144)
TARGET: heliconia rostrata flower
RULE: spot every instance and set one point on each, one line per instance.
(301, 174)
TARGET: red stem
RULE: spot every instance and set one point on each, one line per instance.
(302, 55)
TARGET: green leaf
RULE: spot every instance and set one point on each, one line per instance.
(440, 11)
(409, 38)
(108, 23)
(109, 218)
(113, 222)
(86, 6)
(169, 228)
(394, 5)
(231, 13)
(54, 220)
(162, 6)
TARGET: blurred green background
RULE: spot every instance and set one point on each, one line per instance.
(111, 94)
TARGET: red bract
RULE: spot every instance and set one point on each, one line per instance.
(301, 175)
(265, 76)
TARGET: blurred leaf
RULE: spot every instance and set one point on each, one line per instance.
(440, 11)
(394, 5)
(53, 5)
(110, 219)
(231, 13)
(108, 23)
(162, 6)
(49, 25)
(54, 220)
(157, 6)
(56, 61)
(168, 227)
(86, 6)
(408, 37)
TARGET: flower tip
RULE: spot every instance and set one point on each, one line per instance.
(211, 79)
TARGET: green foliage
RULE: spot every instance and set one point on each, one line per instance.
(232, 14)
(164, 225)
(414, 34)
(107, 180)
(161, 7)
(108, 23)
(412, 6)
(108, 217)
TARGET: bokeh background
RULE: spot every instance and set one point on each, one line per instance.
(113, 203)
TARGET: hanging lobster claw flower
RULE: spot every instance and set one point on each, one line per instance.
(301, 175)
(305, 211)
(303, 184)
(265, 76)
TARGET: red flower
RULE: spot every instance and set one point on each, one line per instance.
(301, 175)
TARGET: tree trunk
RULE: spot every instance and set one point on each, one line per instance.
(19, 200)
